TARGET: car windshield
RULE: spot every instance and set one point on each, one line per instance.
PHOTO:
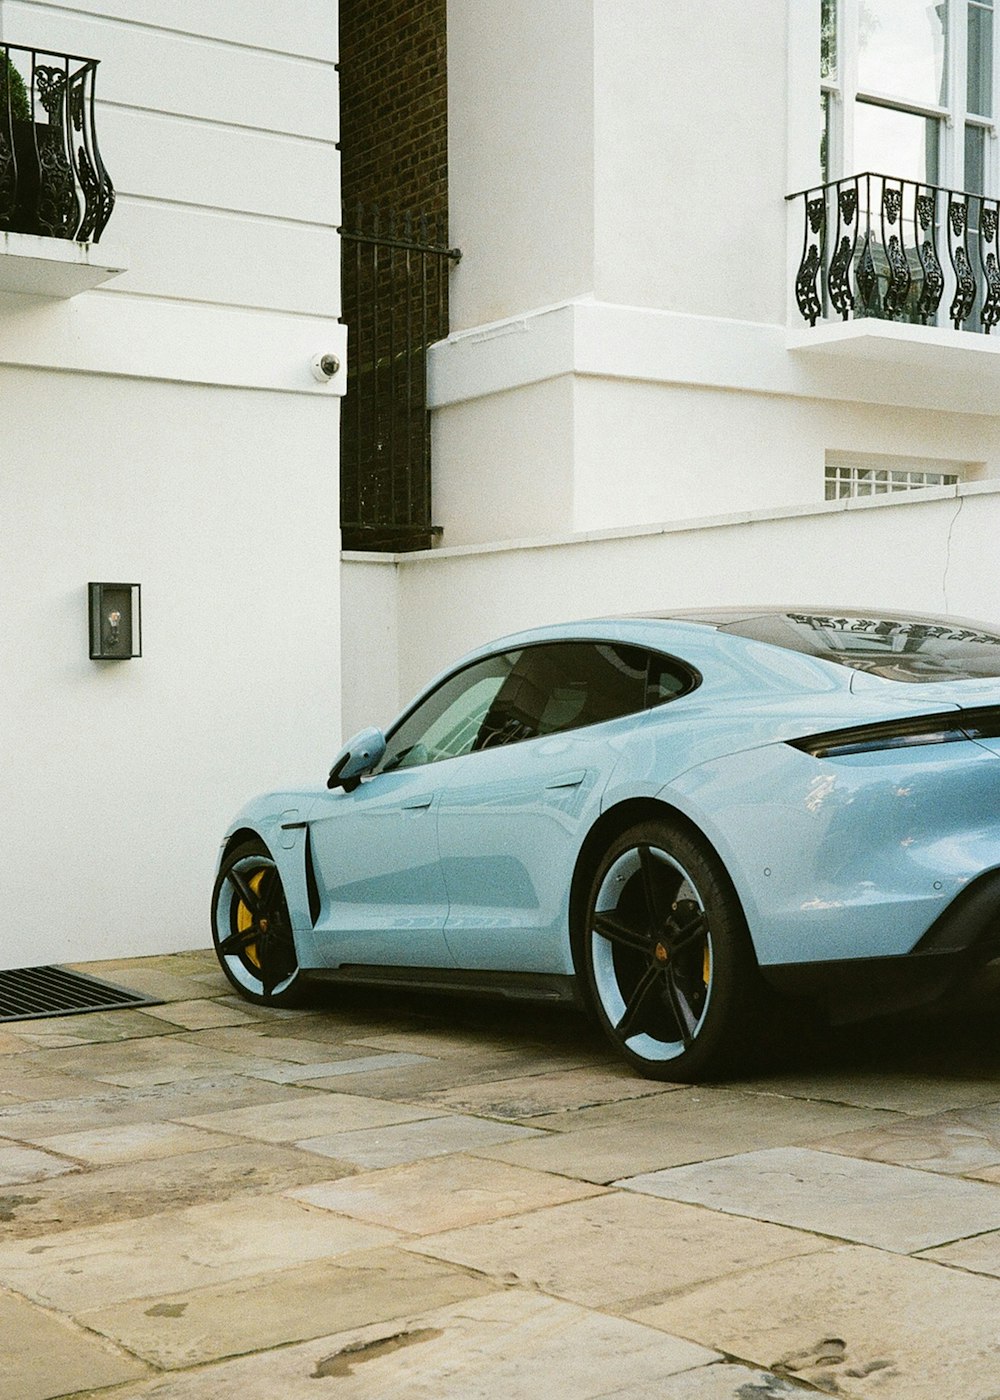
(895, 648)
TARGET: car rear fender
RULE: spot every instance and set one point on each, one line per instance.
(850, 857)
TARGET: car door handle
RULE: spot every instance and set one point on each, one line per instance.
(418, 804)
(567, 780)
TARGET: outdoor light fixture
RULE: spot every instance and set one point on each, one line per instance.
(115, 621)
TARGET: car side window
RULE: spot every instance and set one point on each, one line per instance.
(667, 680)
(560, 686)
(448, 723)
(545, 689)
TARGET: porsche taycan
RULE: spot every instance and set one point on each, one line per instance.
(669, 819)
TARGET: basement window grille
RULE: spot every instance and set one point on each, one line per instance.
(843, 482)
(33, 993)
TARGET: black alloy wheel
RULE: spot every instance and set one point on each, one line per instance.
(666, 956)
(252, 929)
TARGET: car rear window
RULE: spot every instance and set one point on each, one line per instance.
(895, 648)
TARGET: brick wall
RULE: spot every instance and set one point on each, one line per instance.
(393, 105)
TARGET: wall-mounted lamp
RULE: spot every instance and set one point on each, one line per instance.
(115, 621)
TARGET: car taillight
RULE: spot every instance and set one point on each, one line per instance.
(983, 723)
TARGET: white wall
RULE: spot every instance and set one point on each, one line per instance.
(690, 114)
(166, 429)
(935, 552)
(640, 368)
(521, 154)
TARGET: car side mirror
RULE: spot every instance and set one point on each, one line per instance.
(358, 757)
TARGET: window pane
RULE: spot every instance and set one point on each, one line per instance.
(448, 723)
(899, 144)
(667, 681)
(564, 686)
(901, 49)
(975, 158)
(828, 40)
(980, 95)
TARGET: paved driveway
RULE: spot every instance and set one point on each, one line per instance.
(385, 1195)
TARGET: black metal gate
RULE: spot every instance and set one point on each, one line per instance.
(395, 303)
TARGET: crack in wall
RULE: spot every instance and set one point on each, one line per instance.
(947, 552)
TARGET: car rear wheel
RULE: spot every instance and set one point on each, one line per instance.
(252, 929)
(666, 955)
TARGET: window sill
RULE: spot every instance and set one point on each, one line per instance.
(55, 267)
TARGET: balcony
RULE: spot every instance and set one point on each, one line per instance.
(885, 273)
(53, 183)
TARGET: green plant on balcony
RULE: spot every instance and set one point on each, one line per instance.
(13, 92)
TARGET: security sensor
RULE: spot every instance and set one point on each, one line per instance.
(324, 367)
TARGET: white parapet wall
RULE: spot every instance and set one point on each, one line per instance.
(932, 551)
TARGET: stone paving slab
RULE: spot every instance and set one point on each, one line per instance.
(441, 1193)
(424, 1083)
(855, 1322)
(307, 1116)
(94, 1028)
(28, 1082)
(441, 1042)
(981, 1255)
(671, 1130)
(199, 1014)
(894, 1208)
(530, 1096)
(252, 1314)
(138, 1188)
(260, 1041)
(173, 977)
(46, 1356)
(718, 1382)
(337, 1069)
(48, 1116)
(157, 982)
(502, 1344)
(104, 1264)
(132, 1142)
(898, 1090)
(955, 1143)
(406, 1142)
(10, 1044)
(141, 1063)
(22, 1164)
(616, 1250)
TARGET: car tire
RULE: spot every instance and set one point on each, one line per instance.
(666, 957)
(252, 930)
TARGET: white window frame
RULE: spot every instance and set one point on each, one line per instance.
(842, 92)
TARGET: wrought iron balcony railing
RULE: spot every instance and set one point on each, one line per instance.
(52, 179)
(897, 250)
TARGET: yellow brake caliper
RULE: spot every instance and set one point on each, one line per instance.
(244, 920)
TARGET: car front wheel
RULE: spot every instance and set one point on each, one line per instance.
(252, 929)
(666, 956)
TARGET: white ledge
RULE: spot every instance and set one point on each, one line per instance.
(856, 361)
(56, 267)
(902, 500)
(893, 341)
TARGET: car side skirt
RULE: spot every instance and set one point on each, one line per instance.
(516, 986)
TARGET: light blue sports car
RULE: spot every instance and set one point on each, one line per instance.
(660, 817)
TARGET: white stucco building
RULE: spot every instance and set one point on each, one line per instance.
(165, 428)
(631, 411)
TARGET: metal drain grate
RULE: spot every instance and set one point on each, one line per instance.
(27, 993)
